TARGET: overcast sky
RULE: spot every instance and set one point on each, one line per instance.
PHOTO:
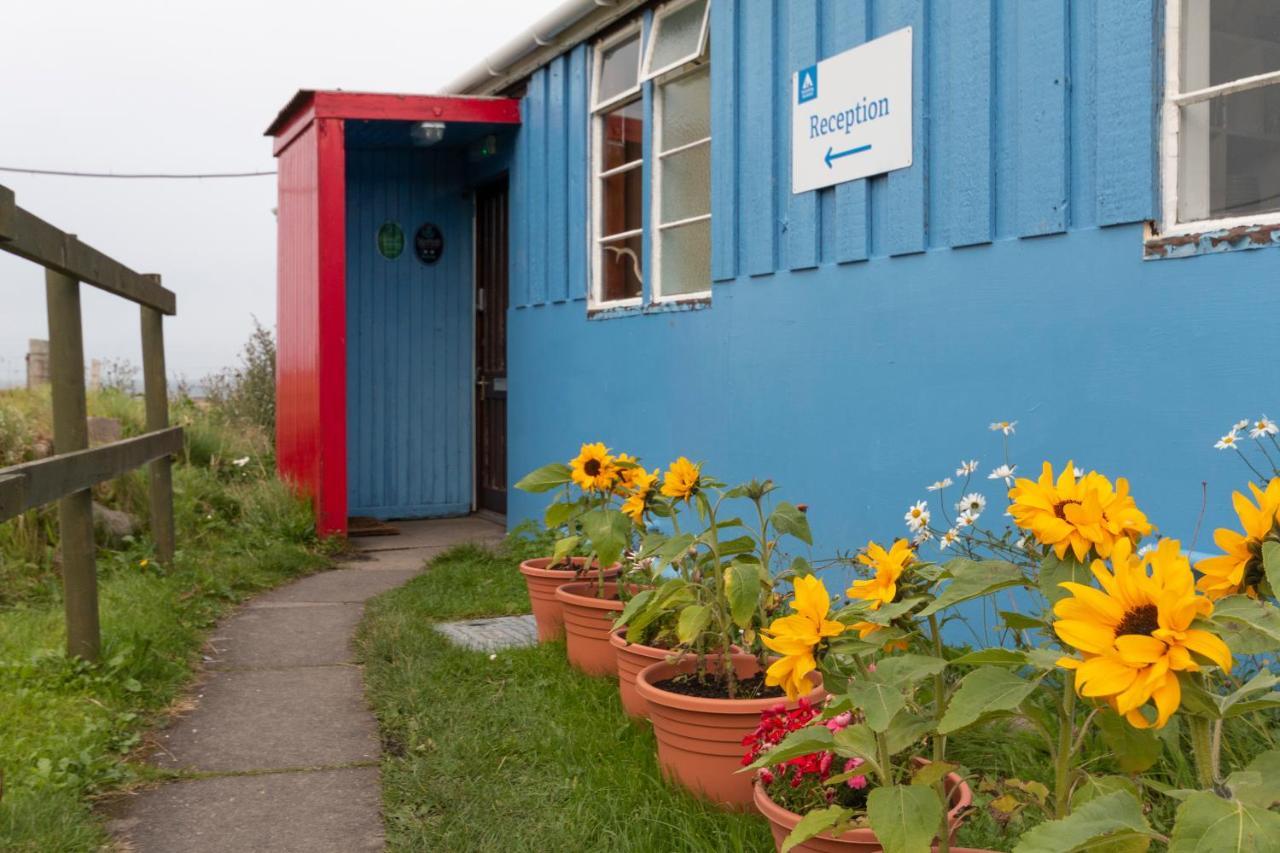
(181, 86)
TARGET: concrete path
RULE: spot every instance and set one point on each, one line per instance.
(280, 749)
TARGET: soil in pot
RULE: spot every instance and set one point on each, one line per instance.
(700, 739)
(863, 840)
(588, 621)
(715, 687)
(542, 582)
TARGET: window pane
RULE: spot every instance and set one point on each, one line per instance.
(686, 258)
(620, 198)
(623, 131)
(1230, 156)
(686, 183)
(686, 109)
(620, 270)
(676, 35)
(1225, 40)
(619, 64)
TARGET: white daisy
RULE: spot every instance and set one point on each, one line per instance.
(1005, 427)
(948, 539)
(1241, 424)
(1227, 442)
(967, 468)
(1021, 544)
(923, 535)
(1004, 472)
(964, 519)
(1263, 426)
(917, 516)
(940, 485)
(972, 505)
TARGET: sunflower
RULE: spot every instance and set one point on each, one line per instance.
(682, 479)
(594, 469)
(797, 635)
(882, 587)
(1135, 632)
(1081, 513)
(627, 466)
(641, 490)
(1240, 566)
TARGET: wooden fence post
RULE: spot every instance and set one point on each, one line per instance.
(71, 432)
(157, 395)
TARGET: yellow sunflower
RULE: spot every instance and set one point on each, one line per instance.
(593, 469)
(682, 479)
(642, 486)
(796, 636)
(1083, 514)
(1135, 632)
(1239, 567)
(882, 587)
(627, 466)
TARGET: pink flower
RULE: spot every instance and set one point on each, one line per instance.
(839, 721)
(858, 783)
(824, 764)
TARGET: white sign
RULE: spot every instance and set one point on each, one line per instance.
(851, 114)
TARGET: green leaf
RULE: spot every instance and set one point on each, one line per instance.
(675, 547)
(638, 602)
(672, 594)
(905, 731)
(800, 742)
(733, 547)
(856, 741)
(973, 579)
(878, 702)
(564, 547)
(1054, 571)
(609, 532)
(558, 513)
(985, 691)
(1257, 692)
(1258, 784)
(905, 818)
(743, 592)
(817, 821)
(903, 670)
(1247, 626)
(785, 518)
(545, 478)
(693, 619)
(651, 544)
(885, 614)
(932, 773)
(1115, 817)
(993, 657)
(1092, 787)
(1021, 621)
(1136, 750)
(1206, 822)
(1271, 564)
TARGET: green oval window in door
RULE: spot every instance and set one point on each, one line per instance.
(390, 240)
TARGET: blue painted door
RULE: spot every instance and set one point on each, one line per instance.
(409, 337)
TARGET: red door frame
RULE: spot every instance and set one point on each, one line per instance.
(325, 477)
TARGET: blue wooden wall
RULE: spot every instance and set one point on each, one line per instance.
(409, 338)
(860, 338)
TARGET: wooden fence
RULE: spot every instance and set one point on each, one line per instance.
(67, 476)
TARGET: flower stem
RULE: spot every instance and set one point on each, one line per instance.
(1062, 763)
(940, 741)
(1202, 750)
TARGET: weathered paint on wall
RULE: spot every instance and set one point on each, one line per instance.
(310, 378)
(861, 338)
(409, 336)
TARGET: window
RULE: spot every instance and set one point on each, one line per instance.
(1221, 124)
(677, 159)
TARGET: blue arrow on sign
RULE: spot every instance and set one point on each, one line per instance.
(836, 155)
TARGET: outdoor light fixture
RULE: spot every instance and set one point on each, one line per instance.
(427, 133)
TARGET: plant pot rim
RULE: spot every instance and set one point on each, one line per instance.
(660, 670)
(583, 594)
(618, 641)
(788, 819)
(531, 568)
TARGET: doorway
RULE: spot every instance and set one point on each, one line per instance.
(491, 347)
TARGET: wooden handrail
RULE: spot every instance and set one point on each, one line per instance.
(28, 236)
(43, 481)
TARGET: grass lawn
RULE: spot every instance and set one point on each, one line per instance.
(520, 752)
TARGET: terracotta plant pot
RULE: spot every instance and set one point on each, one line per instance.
(700, 740)
(633, 657)
(588, 621)
(782, 821)
(543, 583)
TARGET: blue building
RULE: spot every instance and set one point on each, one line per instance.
(1071, 230)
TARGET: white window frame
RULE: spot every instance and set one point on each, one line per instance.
(655, 266)
(1171, 131)
(647, 71)
(596, 299)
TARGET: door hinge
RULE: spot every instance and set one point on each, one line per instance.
(479, 298)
